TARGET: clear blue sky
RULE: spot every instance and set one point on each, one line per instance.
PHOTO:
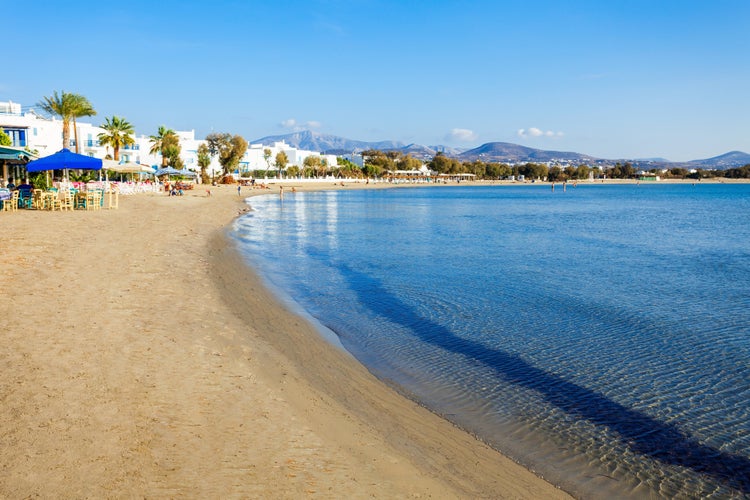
(614, 78)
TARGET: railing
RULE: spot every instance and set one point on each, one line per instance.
(92, 143)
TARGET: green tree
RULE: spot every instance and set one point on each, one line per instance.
(532, 170)
(738, 173)
(267, 157)
(118, 134)
(582, 172)
(228, 148)
(408, 162)
(312, 164)
(5, 139)
(158, 143)
(476, 167)
(679, 172)
(348, 168)
(556, 174)
(628, 171)
(377, 161)
(68, 107)
(440, 163)
(171, 149)
(204, 160)
(292, 171)
(498, 170)
(281, 161)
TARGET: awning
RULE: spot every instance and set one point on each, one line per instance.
(17, 155)
(127, 167)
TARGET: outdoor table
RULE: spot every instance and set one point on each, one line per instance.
(90, 200)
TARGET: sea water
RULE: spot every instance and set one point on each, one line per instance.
(599, 335)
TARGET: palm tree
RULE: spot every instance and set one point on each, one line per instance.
(118, 134)
(64, 106)
(160, 141)
(82, 107)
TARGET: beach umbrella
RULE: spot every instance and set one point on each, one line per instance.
(186, 173)
(167, 171)
(64, 160)
(127, 167)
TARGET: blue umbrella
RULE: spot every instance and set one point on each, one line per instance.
(63, 160)
(187, 173)
(167, 171)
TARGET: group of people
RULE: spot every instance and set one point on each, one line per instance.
(258, 186)
(176, 189)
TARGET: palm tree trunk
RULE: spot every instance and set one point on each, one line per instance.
(66, 134)
(75, 133)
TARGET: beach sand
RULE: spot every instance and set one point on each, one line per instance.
(141, 357)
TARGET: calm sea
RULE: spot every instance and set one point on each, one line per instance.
(598, 335)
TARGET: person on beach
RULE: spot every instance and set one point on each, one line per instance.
(239, 189)
(281, 191)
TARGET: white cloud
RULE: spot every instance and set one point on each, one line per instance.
(290, 123)
(536, 132)
(293, 125)
(462, 135)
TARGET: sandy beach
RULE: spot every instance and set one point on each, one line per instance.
(141, 357)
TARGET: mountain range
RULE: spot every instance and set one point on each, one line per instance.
(489, 152)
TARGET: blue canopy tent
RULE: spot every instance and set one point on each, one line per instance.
(64, 160)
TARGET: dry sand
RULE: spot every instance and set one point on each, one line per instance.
(141, 357)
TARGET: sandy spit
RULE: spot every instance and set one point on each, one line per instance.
(141, 357)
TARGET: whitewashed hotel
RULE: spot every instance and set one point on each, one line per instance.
(33, 130)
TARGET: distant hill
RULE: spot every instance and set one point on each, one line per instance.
(651, 160)
(326, 143)
(508, 152)
(489, 152)
(331, 144)
(732, 159)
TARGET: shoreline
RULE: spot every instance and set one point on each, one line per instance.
(145, 357)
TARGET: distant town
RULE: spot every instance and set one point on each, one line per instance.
(309, 154)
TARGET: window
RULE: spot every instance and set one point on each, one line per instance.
(18, 136)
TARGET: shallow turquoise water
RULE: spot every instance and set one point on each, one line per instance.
(600, 336)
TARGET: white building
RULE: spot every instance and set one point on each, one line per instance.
(36, 132)
(255, 157)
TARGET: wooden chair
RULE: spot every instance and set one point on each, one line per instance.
(66, 200)
(11, 205)
(116, 203)
(25, 198)
(37, 197)
(51, 201)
